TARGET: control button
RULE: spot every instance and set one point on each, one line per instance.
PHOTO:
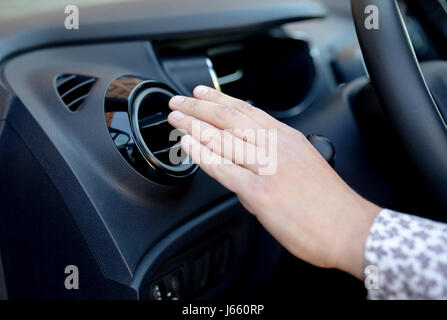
(324, 146)
(157, 291)
(174, 285)
(220, 259)
(201, 270)
(169, 295)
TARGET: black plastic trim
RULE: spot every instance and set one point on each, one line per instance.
(150, 20)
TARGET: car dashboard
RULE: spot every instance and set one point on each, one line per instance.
(86, 178)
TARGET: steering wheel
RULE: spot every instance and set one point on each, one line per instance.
(406, 99)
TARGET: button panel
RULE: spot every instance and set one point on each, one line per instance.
(170, 287)
(196, 273)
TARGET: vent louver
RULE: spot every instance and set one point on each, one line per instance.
(74, 89)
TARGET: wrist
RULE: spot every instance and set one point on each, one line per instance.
(352, 246)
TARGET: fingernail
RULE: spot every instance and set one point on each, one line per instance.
(187, 140)
(176, 101)
(202, 90)
(177, 115)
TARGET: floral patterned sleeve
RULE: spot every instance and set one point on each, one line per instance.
(409, 255)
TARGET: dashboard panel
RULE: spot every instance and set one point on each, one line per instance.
(98, 183)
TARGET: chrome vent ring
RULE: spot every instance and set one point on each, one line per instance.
(148, 112)
(136, 113)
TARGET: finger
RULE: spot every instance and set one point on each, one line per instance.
(258, 115)
(230, 175)
(220, 116)
(221, 142)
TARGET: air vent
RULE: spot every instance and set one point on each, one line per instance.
(74, 89)
(148, 114)
(138, 109)
(245, 74)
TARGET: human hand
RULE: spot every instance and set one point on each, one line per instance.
(303, 203)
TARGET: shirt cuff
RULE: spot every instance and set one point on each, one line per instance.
(406, 258)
